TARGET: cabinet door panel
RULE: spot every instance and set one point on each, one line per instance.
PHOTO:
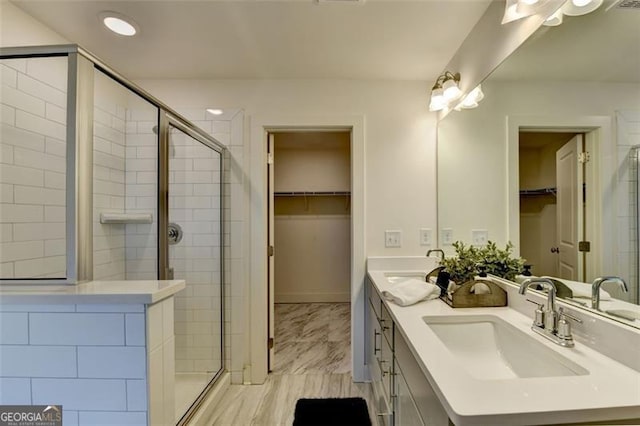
(427, 402)
(405, 411)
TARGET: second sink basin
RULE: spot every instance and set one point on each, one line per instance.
(489, 348)
(398, 277)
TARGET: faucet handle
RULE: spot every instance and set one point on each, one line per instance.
(564, 327)
(539, 314)
(565, 315)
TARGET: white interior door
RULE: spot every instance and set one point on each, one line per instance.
(270, 248)
(570, 213)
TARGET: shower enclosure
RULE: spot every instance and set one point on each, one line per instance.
(101, 181)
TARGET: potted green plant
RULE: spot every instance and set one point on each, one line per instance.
(500, 262)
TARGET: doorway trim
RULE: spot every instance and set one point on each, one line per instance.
(599, 137)
(258, 279)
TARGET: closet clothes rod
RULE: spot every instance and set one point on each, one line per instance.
(312, 193)
(541, 191)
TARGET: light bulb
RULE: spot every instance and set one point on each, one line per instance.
(580, 7)
(451, 90)
(472, 99)
(438, 101)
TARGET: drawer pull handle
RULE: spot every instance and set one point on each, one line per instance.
(382, 370)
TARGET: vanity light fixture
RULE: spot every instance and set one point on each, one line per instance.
(572, 8)
(215, 111)
(518, 9)
(580, 7)
(555, 19)
(118, 23)
(472, 99)
(444, 90)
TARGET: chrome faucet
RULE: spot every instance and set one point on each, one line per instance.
(549, 322)
(436, 251)
(595, 289)
(550, 312)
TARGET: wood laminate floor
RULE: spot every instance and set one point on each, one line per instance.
(312, 360)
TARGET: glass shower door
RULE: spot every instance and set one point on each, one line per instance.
(195, 255)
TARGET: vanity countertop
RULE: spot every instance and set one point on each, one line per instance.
(99, 292)
(611, 390)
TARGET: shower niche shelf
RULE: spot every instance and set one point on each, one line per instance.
(116, 218)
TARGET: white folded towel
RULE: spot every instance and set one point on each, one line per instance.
(411, 291)
(581, 290)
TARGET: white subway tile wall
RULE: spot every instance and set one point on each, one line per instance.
(195, 204)
(33, 167)
(84, 359)
(125, 181)
(628, 131)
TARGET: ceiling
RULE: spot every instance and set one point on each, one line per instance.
(601, 46)
(275, 39)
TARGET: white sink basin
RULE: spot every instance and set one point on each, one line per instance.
(492, 349)
(398, 277)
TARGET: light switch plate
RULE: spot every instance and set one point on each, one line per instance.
(479, 237)
(447, 236)
(393, 238)
(425, 236)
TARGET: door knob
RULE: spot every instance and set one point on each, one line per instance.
(555, 250)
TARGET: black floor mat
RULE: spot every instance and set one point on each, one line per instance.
(331, 411)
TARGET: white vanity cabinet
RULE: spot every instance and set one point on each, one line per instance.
(402, 393)
(379, 358)
(405, 411)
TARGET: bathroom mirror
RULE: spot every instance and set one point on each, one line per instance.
(549, 158)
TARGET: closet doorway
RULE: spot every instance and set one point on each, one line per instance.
(309, 253)
(554, 214)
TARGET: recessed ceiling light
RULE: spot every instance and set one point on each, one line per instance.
(215, 111)
(118, 23)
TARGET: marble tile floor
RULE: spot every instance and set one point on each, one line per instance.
(312, 360)
(312, 338)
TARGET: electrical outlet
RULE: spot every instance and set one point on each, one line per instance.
(447, 236)
(392, 238)
(425, 237)
(479, 237)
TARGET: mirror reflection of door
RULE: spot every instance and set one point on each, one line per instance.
(551, 203)
(570, 209)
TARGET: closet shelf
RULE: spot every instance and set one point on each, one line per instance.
(311, 193)
(126, 218)
(541, 191)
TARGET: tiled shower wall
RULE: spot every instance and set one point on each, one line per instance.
(228, 130)
(108, 185)
(124, 181)
(32, 176)
(628, 130)
(194, 204)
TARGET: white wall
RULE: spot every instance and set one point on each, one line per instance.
(19, 29)
(399, 139)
